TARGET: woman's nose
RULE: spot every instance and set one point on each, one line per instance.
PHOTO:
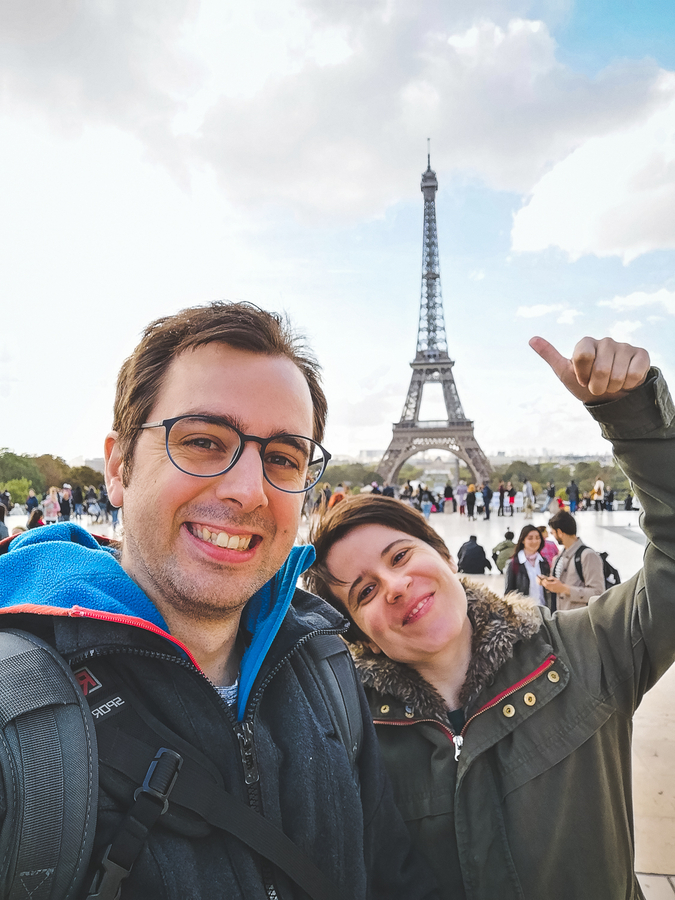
(396, 588)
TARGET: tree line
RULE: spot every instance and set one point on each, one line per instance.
(19, 473)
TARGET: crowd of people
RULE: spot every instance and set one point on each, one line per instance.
(60, 505)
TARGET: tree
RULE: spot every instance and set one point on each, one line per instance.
(55, 471)
(349, 473)
(14, 466)
(18, 488)
(409, 473)
(83, 476)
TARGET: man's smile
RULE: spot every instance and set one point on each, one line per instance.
(222, 538)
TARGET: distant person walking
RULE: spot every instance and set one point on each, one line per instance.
(471, 501)
(577, 573)
(511, 491)
(599, 494)
(502, 493)
(572, 491)
(461, 493)
(487, 498)
(550, 496)
(528, 499)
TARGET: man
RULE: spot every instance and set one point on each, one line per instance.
(197, 634)
(572, 590)
(487, 499)
(573, 495)
(471, 558)
(550, 496)
(65, 504)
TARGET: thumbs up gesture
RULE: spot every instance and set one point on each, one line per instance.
(599, 371)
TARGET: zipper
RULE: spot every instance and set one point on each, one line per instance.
(243, 730)
(458, 739)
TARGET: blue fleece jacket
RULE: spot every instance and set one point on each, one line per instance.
(63, 566)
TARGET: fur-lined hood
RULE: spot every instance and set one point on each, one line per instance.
(498, 624)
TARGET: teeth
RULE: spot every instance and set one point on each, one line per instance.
(223, 539)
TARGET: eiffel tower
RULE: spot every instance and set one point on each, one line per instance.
(432, 365)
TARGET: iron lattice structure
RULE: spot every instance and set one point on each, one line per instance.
(432, 364)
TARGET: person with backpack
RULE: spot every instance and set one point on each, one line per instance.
(577, 571)
(236, 757)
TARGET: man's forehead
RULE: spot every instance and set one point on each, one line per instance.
(219, 379)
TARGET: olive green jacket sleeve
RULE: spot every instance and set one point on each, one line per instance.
(641, 427)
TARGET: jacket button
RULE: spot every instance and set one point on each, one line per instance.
(384, 709)
(554, 677)
(530, 699)
(409, 714)
(509, 710)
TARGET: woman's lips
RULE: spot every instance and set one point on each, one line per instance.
(419, 608)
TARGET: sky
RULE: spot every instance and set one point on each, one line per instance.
(158, 154)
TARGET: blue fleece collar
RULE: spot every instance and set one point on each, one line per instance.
(64, 566)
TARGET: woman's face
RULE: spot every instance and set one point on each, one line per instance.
(531, 543)
(400, 592)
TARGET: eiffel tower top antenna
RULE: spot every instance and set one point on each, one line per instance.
(431, 339)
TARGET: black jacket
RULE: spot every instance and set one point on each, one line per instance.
(472, 560)
(517, 579)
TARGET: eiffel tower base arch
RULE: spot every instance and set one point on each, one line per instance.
(407, 441)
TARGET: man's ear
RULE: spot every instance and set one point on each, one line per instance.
(114, 468)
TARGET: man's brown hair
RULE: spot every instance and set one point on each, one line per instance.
(364, 509)
(563, 521)
(239, 325)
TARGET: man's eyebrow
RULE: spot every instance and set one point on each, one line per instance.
(385, 551)
(217, 418)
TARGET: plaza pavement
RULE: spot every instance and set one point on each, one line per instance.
(654, 726)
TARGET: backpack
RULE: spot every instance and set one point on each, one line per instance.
(610, 573)
(47, 730)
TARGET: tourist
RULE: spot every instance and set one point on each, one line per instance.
(503, 551)
(507, 730)
(461, 494)
(471, 501)
(524, 570)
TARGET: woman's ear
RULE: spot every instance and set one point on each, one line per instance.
(372, 646)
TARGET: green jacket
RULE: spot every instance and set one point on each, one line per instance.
(538, 804)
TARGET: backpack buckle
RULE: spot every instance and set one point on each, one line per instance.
(161, 776)
(107, 885)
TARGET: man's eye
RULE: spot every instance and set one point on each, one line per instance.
(202, 443)
(280, 462)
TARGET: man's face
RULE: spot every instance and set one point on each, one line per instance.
(165, 547)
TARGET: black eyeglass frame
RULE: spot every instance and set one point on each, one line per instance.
(243, 440)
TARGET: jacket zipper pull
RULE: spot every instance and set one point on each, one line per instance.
(247, 750)
(458, 740)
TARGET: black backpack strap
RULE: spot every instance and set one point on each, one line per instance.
(49, 765)
(195, 790)
(577, 561)
(330, 662)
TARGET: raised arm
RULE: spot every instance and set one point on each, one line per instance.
(632, 404)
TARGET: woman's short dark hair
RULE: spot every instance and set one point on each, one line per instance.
(525, 530)
(363, 509)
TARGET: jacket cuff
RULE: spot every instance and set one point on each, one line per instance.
(646, 409)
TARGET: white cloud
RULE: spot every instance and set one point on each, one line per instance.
(614, 195)
(639, 299)
(539, 309)
(476, 275)
(624, 331)
(568, 316)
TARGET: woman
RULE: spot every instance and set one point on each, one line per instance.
(35, 519)
(550, 549)
(524, 570)
(461, 493)
(506, 730)
(471, 501)
(511, 492)
(51, 507)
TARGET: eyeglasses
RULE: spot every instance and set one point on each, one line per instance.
(206, 446)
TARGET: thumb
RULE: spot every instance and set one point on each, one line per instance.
(560, 365)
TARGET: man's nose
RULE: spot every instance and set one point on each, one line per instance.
(245, 484)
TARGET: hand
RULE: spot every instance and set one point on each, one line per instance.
(554, 585)
(599, 371)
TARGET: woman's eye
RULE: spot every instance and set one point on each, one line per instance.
(365, 593)
(400, 555)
